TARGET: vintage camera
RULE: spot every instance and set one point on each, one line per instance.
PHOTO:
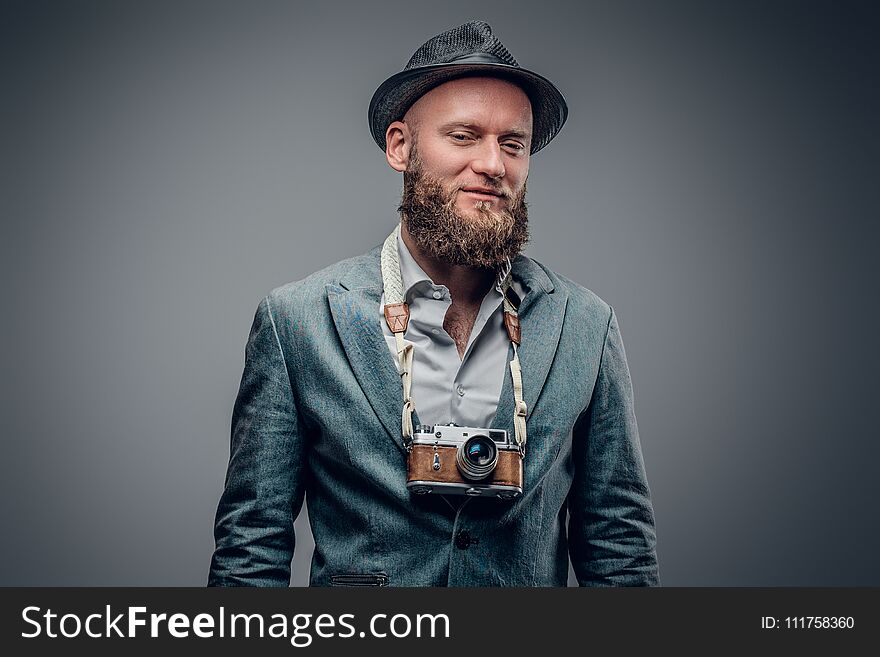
(449, 459)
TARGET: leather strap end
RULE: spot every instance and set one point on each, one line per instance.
(397, 316)
(511, 323)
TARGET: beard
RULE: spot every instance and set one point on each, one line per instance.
(485, 239)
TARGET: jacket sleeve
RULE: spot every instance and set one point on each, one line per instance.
(611, 519)
(263, 493)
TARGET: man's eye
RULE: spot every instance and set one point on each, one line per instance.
(460, 136)
(514, 146)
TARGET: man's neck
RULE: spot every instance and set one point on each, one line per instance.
(467, 285)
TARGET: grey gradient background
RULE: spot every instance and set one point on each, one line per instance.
(166, 164)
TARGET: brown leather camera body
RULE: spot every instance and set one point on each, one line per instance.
(423, 476)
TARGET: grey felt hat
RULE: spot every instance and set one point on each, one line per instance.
(464, 51)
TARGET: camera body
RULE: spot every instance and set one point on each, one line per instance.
(453, 460)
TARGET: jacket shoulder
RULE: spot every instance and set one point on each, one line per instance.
(582, 301)
(312, 288)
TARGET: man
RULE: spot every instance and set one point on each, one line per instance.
(445, 323)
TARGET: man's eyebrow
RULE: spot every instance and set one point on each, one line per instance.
(520, 134)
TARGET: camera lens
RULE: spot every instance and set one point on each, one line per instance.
(479, 453)
(477, 457)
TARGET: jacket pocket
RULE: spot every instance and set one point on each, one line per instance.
(380, 579)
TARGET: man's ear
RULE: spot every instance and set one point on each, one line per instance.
(398, 143)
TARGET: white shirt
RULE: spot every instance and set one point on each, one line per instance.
(446, 387)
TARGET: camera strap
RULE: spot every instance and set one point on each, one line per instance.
(511, 323)
(396, 312)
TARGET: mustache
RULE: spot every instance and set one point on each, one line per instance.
(493, 188)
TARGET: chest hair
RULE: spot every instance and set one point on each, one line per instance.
(458, 323)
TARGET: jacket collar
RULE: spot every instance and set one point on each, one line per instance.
(364, 274)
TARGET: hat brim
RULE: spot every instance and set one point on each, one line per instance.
(398, 93)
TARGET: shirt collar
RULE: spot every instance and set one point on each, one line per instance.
(410, 272)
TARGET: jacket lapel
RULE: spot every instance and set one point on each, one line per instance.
(354, 305)
(541, 315)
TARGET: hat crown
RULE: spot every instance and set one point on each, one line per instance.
(468, 39)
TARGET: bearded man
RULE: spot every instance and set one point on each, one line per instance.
(456, 413)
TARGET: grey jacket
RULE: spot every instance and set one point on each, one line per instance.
(318, 415)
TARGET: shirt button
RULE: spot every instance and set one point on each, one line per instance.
(437, 294)
(463, 539)
(435, 331)
(460, 391)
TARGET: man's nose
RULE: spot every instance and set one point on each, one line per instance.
(489, 161)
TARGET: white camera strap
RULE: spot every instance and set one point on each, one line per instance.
(396, 312)
(397, 317)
